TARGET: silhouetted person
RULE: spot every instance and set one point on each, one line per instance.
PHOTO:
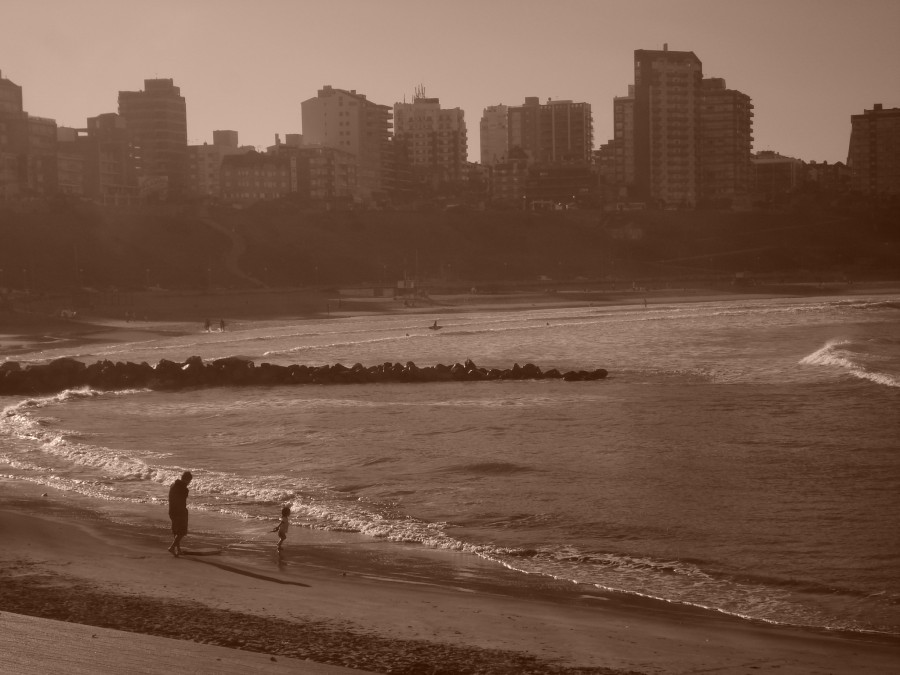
(222, 325)
(208, 325)
(283, 525)
(178, 511)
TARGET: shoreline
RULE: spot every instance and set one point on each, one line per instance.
(71, 558)
(23, 332)
(311, 604)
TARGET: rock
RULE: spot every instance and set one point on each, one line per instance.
(237, 371)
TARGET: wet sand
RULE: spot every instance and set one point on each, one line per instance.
(73, 563)
(32, 326)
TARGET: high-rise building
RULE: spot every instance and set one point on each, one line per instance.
(556, 132)
(348, 121)
(726, 142)
(97, 162)
(623, 140)
(156, 119)
(27, 147)
(70, 162)
(12, 121)
(667, 91)
(10, 96)
(494, 135)
(691, 137)
(874, 154)
(435, 138)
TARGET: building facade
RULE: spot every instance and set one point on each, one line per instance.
(434, 138)
(773, 174)
(70, 169)
(98, 162)
(507, 184)
(205, 162)
(623, 140)
(667, 92)
(494, 137)
(27, 148)
(348, 121)
(307, 173)
(555, 132)
(726, 142)
(156, 119)
(874, 154)
(12, 146)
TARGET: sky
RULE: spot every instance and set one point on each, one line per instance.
(248, 64)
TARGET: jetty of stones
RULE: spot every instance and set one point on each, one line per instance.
(67, 373)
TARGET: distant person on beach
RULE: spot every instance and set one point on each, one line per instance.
(208, 325)
(222, 325)
(283, 525)
(178, 511)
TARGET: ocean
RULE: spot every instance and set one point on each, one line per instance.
(742, 456)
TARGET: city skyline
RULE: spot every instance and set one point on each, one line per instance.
(807, 66)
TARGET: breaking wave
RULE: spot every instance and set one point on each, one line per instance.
(860, 359)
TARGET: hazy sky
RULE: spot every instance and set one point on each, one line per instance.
(247, 64)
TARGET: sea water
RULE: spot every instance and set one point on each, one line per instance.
(742, 456)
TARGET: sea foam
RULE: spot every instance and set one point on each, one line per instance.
(838, 353)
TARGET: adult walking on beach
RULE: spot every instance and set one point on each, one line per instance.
(178, 512)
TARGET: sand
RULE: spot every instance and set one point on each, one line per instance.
(66, 559)
(33, 646)
(70, 563)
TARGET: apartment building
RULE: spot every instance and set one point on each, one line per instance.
(70, 161)
(348, 121)
(318, 173)
(97, 162)
(205, 162)
(667, 94)
(494, 139)
(874, 153)
(156, 118)
(508, 184)
(726, 142)
(27, 147)
(434, 138)
(559, 131)
(773, 174)
(622, 146)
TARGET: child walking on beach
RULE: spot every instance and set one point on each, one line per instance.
(283, 525)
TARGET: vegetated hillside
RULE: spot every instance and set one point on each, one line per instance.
(60, 245)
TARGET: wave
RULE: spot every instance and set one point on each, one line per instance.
(878, 304)
(859, 359)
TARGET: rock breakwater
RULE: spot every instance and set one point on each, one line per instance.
(67, 373)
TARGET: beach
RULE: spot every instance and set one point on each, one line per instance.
(70, 558)
(72, 565)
